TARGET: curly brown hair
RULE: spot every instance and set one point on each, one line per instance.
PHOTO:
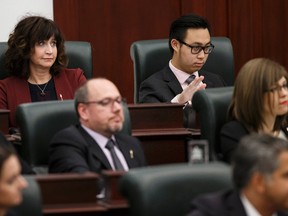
(29, 31)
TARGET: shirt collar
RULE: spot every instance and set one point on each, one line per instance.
(99, 138)
(249, 208)
(181, 75)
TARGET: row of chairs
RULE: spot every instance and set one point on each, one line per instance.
(151, 191)
(161, 190)
(148, 57)
(38, 125)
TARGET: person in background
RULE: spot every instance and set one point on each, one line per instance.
(190, 45)
(37, 63)
(25, 168)
(260, 176)
(95, 144)
(259, 104)
(11, 181)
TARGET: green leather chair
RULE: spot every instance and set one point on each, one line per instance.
(32, 199)
(168, 189)
(79, 54)
(212, 107)
(150, 56)
(39, 122)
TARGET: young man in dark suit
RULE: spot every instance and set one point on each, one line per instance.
(190, 45)
(260, 175)
(95, 144)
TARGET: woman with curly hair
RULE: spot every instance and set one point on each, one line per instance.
(36, 61)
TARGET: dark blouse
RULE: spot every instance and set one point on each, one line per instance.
(43, 92)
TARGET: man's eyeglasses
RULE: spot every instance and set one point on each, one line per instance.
(278, 88)
(197, 49)
(107, 102)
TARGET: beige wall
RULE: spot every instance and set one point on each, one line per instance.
(11, 12)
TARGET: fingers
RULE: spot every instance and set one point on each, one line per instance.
(194, 86)
(196, 81)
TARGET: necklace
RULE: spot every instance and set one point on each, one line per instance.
(42, 90)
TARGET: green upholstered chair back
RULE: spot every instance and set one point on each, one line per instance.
(32, 199)
(39, 122)
(212, 107)
(150, 56)
(168, 189)
(79, 54)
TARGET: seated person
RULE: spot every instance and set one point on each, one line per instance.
(37, 63)
(259, 104)
(190, 45)
(260, 167)
(95, 144)
(25, 168)
(11, 181)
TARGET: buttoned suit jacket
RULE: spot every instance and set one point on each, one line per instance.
(163, 86)
(224, 203)
(74, 150)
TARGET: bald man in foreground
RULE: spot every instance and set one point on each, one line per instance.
(95, 144)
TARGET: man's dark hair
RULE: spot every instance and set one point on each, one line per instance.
(256, 153)
(179, 27)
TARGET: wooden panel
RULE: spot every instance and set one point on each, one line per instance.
(111, 26)
(160, 129)
(215, 11)
(256, 28)
(66, 15)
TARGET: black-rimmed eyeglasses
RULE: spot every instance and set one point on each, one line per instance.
(197, 49)
(278, 88)
(107, 102)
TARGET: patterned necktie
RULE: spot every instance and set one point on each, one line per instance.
(111, 147)
(190, 79)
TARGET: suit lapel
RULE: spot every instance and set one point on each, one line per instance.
(95, 149)
(127, 152)
(206, 80)
(172, 81)
(235, 206)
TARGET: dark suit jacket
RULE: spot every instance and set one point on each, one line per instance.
(230, 135)
(74, 150)
(163, 86)
(227, 203)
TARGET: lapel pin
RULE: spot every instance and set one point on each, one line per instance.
(131, 154)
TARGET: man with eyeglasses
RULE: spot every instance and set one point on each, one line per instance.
(97, 142)
(190, 45)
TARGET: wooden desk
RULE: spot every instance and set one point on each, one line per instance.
(75, 194)
(70, 193)
(161, 131)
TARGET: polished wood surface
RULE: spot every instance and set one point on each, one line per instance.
(161, 130)
(256, 28)
(111, 26)
(76, 194)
